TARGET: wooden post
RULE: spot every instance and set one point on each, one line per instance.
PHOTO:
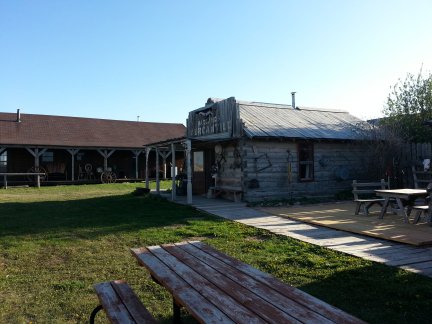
(5, 181)
(148, 149)
(136, 153)
(38, 181)
(36, 154)
(106, 155)
(73, 152)
(157, 171)
(173, 182)
(165, 155)
(189, 171)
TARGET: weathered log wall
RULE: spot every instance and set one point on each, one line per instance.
(270, 169)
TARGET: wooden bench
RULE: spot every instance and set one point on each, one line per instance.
(425, 209)
(120, 304)
(364, 192)
(216, 288)
(226, 186)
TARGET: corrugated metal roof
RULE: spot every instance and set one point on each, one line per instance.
(273, 120)
(46, 130)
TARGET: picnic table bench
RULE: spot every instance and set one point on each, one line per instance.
(364, 194)
(120, 304)
(214, 287)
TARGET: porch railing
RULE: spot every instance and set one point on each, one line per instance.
(37, 174)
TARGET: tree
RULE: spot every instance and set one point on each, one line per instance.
(409, 105)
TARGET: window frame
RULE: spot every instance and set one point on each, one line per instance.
(47, 156)
(3, 161)
(306, 148)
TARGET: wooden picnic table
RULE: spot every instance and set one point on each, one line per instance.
(404, 198)
(216, 288)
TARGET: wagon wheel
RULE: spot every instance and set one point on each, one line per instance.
(37, 170)
(108, 177)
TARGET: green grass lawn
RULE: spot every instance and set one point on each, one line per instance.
(56, 242)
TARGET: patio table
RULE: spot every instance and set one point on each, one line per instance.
(404, 198)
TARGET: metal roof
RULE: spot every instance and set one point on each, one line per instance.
(274, 120)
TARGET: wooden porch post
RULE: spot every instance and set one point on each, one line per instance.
(106, 155)
(36, 154)
(173, 175)
(165, 155)
(136, 153)
(157, 171)
(148, 149)
(73, 152)
(189, 171)
(2, 149)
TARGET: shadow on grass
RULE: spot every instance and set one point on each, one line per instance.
(92, 217)
(377, 294)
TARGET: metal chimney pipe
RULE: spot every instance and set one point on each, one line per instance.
(293, 100)
(18, 119)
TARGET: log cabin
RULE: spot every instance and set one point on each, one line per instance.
(269, 151)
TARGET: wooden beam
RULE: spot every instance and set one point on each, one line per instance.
(157, 172)
(136, 153)
(36, 154)
(164, 155)
(173, 181)
(2, 149)
(148, 149)
(73, 152)
(105, 154)
(189, 171)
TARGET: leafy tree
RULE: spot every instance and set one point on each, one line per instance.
(409, 105)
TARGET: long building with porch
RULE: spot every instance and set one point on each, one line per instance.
(74, 149)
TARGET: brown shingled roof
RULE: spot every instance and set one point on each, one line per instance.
(45, 130)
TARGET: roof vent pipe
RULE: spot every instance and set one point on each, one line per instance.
(293, 100)
(18, 118)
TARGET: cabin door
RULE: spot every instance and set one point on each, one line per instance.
(201, 178)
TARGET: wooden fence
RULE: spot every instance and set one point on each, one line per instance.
(412, 155)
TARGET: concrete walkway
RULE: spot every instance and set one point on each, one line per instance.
(415, 259)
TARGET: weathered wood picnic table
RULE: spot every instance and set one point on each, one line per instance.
(216, 288)
(405, 199)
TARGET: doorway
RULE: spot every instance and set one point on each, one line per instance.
(201, 177)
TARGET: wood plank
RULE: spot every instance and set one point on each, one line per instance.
(234, 310)
(136, 309)
(231, 285)
(182, 292)
(301, 297)
(254, 287)
(114, 309)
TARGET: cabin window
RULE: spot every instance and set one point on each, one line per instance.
(306, 158)
(48, 156)
(3, 162)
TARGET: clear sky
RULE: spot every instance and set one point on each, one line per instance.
(159, 59)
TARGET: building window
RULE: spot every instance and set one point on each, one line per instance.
(306, 165)
(48, 156)
(3, 162)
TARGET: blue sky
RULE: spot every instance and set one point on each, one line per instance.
(161, 59)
